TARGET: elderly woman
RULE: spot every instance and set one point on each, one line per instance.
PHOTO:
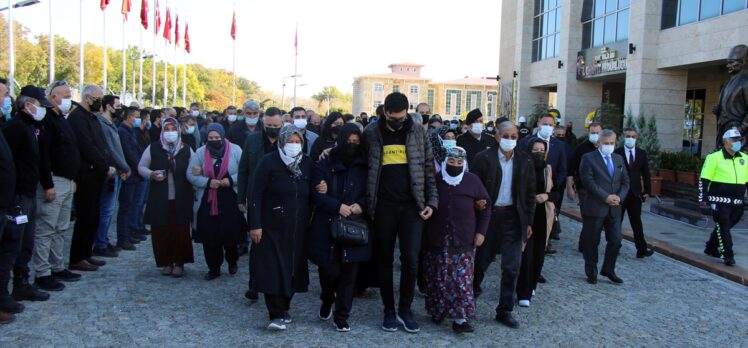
(533, 256)
(220, 224)
(170, 196)
(278, 218)
(452, 236)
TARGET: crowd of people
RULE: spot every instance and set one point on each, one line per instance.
(290, 188)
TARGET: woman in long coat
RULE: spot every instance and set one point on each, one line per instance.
(220, 226)
(170, 196)
(278, 217)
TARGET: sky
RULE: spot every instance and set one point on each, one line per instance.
(338, 39)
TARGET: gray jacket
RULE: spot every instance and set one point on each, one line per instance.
(420, 165)
(115, 146)
(593, 172)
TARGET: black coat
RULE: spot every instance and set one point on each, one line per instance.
(7, 175)
(131, 150)
(345, 185)
(320, 145)
(95, 157)
(228, 227)
(638, 172)
(157, 209)
(25, 139)
(279, 205)
(474, 146)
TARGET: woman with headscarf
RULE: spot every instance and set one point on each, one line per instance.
(220, 225)
(278, 218)
(452, 236)
(330, 130)
(170, 197)
(533, 256)
(344, 171)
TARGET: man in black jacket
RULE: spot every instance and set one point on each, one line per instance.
(126, 214)
(8, 305)
(55, 201)
(27, 141)
(95, 167)
(474, 141)
(637, 165)
(509, 177)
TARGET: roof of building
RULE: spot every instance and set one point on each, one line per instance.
(394, 76)
(471, 81)
(406, 64)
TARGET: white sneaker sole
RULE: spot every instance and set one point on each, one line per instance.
(275, 327)
(405, 327)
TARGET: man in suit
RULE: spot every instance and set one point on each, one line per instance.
(606, 182)
(509, 177)
(637, 165)
(556, 154)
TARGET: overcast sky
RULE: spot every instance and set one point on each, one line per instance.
(338, 39)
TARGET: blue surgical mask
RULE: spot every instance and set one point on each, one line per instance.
(138, 122)
(736, 146)
(449, 143)
(453, 126)
(7, 105)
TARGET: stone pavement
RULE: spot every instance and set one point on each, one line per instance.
(128, 303)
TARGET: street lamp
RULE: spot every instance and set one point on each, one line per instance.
(283, 92)
(11, 46)
(138, 95)
(20, 4)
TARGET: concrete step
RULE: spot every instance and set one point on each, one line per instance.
(688, 216)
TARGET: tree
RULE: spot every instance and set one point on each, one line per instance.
(328, 94)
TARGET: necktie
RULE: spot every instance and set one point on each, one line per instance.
(631, 157)
(610, 165)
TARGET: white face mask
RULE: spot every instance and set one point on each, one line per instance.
(606, 150)
(594, 138)
(39, 114)
(449, 143)
(299, 123)
(195, 113)
(65, 105)
(251, 121)
(286, 124)
(232, 118)
(507, 144)
(292, 150)
(171, 136)
(476, 128)
(629, 142)
(190, 129)
(545, 131)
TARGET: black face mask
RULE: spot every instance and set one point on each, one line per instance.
(350, 149)
(538, 158)
(216, 144)
(425, 119)
(335, 129)
(95, 105)
(395, 124)
(454, 170)
(272, 132)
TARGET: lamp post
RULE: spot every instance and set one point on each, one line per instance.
(283, 92)
(11, 45)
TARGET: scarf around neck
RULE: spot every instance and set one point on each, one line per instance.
(211, 174)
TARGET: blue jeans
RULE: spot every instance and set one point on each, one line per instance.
(126, 211)
(108, 202)
(141, 197)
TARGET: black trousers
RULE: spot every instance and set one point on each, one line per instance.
(504, 237)
(277, 305)
(725, 217)
(397, 221)
(591, 240)
(533, 257)
(214, 255)
(87, 212)
(633, 205)
(10, 241)
(337, 281)
(27, 234)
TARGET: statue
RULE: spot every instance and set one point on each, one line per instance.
(732, 108)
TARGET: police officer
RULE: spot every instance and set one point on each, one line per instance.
(724, 178)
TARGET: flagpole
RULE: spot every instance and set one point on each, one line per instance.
(233, 56)
(176, 27)
(124, 63)
(51, 48)
(166, 73)
(153, 73)
(105, 58)
(184, 76)
(139, 97)
(80, 58)
(11, 53)
(296, 64)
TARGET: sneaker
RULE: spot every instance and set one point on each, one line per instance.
(287, 318)
(462, 328)
(48, 283)
(524, 303)
(405, 318)
(66, 276)
(341, 326)
(104, 252)
(389, 323)
(27, 292)
(277, 325)
(325, 311)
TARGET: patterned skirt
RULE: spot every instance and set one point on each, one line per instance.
(449, 284)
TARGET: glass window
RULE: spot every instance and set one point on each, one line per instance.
(681, 12)
(610, 29)
(378, 87)
(395, 88)
(599, 8)
(586, 35)
(623, 3)
(689, 11)
(732, 5)
(623, 25)
(546, 25)
(597, 35)
(414, 89)
(557, 45)
(710, 9)
(431, 99)
(610, 22)
(610, 5)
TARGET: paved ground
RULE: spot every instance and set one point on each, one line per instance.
(127, 303)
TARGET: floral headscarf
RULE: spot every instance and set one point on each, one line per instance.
(291, 162)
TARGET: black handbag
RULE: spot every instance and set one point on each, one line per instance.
(352, 230)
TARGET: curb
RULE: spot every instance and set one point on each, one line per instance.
(704, 262)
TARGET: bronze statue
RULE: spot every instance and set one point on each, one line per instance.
(732, 108)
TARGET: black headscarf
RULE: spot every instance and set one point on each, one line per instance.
(348, 152)
(327, 125)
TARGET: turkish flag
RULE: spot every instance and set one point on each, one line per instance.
(233, 27)
(187, 37)
(125, 8)
(103, 4)
(144, 13)
(167, 26)
(176, 32)
(158, 18)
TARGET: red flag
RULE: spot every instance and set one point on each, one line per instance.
(187, 37)
(103, 4)
(296, 41)
(158, 19)
(176, 32)
(167, 26)
(144, 14)
(233, 27)
(125, 8)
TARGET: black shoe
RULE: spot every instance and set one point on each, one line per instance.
(711, 252)
(48, 283)
(126, 245)
(405, 318)
(462, 328)
(27, 292)
(9, 305)
(137, 238)
(104, 252)
(211, 275)
(507, 319)
(542, 279)
(730, 261)
(389, 323)
(592, 279)
(646, 253)
(325, 311)
(66, 276)
(613, 277)
(144, 232)
(251, 295)
(233, 269)
(113, 247)
(341, 326)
